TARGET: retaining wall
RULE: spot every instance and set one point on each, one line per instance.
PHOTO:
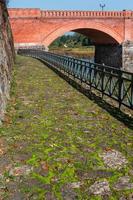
(6, 58)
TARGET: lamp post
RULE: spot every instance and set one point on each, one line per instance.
(102, 6)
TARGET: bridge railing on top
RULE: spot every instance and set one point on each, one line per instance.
(114, 83)
(38, 13)
(65, 14)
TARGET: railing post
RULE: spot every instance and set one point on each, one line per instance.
(102, 81)
(120, 89)
(132, 92)
(74, 66)
(81, 72)
(90, 76)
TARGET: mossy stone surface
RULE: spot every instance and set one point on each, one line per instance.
(59, 133)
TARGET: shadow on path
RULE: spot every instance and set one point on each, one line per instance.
(114, 111)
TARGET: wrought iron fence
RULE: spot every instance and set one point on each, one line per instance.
(113, 82)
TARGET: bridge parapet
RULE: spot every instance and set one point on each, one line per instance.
(33, 13)
(24, 13)
(96, 14)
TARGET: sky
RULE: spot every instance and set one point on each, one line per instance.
(73, 4)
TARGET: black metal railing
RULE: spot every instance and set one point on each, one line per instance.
(113, 82)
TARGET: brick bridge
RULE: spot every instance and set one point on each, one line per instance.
(111, 32)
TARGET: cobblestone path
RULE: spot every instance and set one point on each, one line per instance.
(56, 143)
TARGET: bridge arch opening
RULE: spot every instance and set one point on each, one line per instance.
(74, 44)
(100, 33)
(97, 37)
(107, 41)
(108, 49)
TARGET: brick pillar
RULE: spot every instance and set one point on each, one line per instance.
(127, 57)
(110, 54)
(128, 25)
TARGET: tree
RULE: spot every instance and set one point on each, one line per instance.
(7, 2)
(72, 40)
(4, 1)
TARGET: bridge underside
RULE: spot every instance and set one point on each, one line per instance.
(115, 55)
(97, 37)
(109, 54)
(107, 50)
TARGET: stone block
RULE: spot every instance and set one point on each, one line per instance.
(128, 56)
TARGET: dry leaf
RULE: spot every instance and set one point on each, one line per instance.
(44, 166)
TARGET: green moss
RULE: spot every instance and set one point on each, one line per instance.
(50, 122)
(44, 179)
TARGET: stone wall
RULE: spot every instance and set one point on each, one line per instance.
(128, 56)
(110, 55)
(6, 58)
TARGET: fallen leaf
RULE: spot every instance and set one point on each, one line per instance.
(1, 152)
(44, 166)
(108, 149)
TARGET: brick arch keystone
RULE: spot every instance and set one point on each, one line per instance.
(81, 25)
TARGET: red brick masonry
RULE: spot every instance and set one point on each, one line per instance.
(43, 27)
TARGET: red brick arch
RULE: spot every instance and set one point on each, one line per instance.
(77, 25)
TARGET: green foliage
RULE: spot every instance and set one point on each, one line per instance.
(75, 40)
(6, 2)
(33, 160)
(44, 179)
